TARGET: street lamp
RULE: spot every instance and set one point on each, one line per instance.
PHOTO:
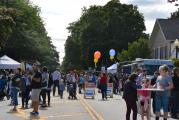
(176, 43)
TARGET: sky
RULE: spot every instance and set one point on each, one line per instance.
(57, 14)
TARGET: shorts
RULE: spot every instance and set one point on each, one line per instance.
(161, 102)
(35, 94)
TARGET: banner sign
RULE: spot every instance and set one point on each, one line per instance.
(110, 89)
(89, 89)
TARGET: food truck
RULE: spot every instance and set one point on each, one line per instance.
(150, 65)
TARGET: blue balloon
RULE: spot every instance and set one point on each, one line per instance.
(112, 52)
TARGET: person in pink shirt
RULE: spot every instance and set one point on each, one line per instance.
(144, 98)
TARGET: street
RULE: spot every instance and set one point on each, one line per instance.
(64, 109)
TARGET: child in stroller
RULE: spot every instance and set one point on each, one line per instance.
(72, 91)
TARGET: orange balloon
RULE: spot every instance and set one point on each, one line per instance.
(97, 55)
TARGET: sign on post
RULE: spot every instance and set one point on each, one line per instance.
(89, 90)
(110, 90)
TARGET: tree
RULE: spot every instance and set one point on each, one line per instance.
(174, 1)
(176, 62)
(104, 27)
(72, 59)
(123, 56)
(7, 16)
(175, 15)
(28, 40)
(136, 49)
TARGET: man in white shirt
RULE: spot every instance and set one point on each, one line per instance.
(56, 76)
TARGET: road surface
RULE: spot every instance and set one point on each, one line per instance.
(64, 109)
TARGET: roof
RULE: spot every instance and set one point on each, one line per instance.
(170, 28)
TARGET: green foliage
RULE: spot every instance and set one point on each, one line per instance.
(7, 16)
(123, 56)
(102, 28)
(175, 15)
(28, 40)
(136, 49)
(72, 61)
(176, 62)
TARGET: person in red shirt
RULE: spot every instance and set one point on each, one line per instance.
(103, 86)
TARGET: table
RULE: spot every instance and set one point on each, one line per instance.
(150, 90)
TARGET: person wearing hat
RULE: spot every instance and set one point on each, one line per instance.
(36, 86)
(56, 76)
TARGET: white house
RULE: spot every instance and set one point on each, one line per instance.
(162, 39)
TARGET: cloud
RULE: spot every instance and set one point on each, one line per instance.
(147, 2)
(52, 13)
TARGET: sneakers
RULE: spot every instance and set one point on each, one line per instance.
(34, 114)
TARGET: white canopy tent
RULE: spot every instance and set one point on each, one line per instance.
(113, 68)
(8, 63)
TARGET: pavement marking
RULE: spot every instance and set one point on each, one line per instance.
(90, 109)
(66, 114)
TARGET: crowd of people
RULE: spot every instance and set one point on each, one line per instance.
(37, 84)
(165, 95)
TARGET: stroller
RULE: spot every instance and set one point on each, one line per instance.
(72, 91)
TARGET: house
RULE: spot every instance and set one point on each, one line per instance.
(164, 33)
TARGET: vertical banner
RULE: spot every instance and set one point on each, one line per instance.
(110, 90)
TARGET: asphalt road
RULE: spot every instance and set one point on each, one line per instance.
(64, 109)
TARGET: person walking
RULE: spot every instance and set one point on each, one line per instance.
(16, 82)
(56, 75)
(23, 89)
(103, 86)
(28, 79)
(48, 90)
(74, 82)
(175, 94)
(81, 83)
(164, 81)
(36, 86)
(45, 79)
(130, 96)
(61, 88)
(68, 80)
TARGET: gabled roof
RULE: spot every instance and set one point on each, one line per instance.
(170, 28)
